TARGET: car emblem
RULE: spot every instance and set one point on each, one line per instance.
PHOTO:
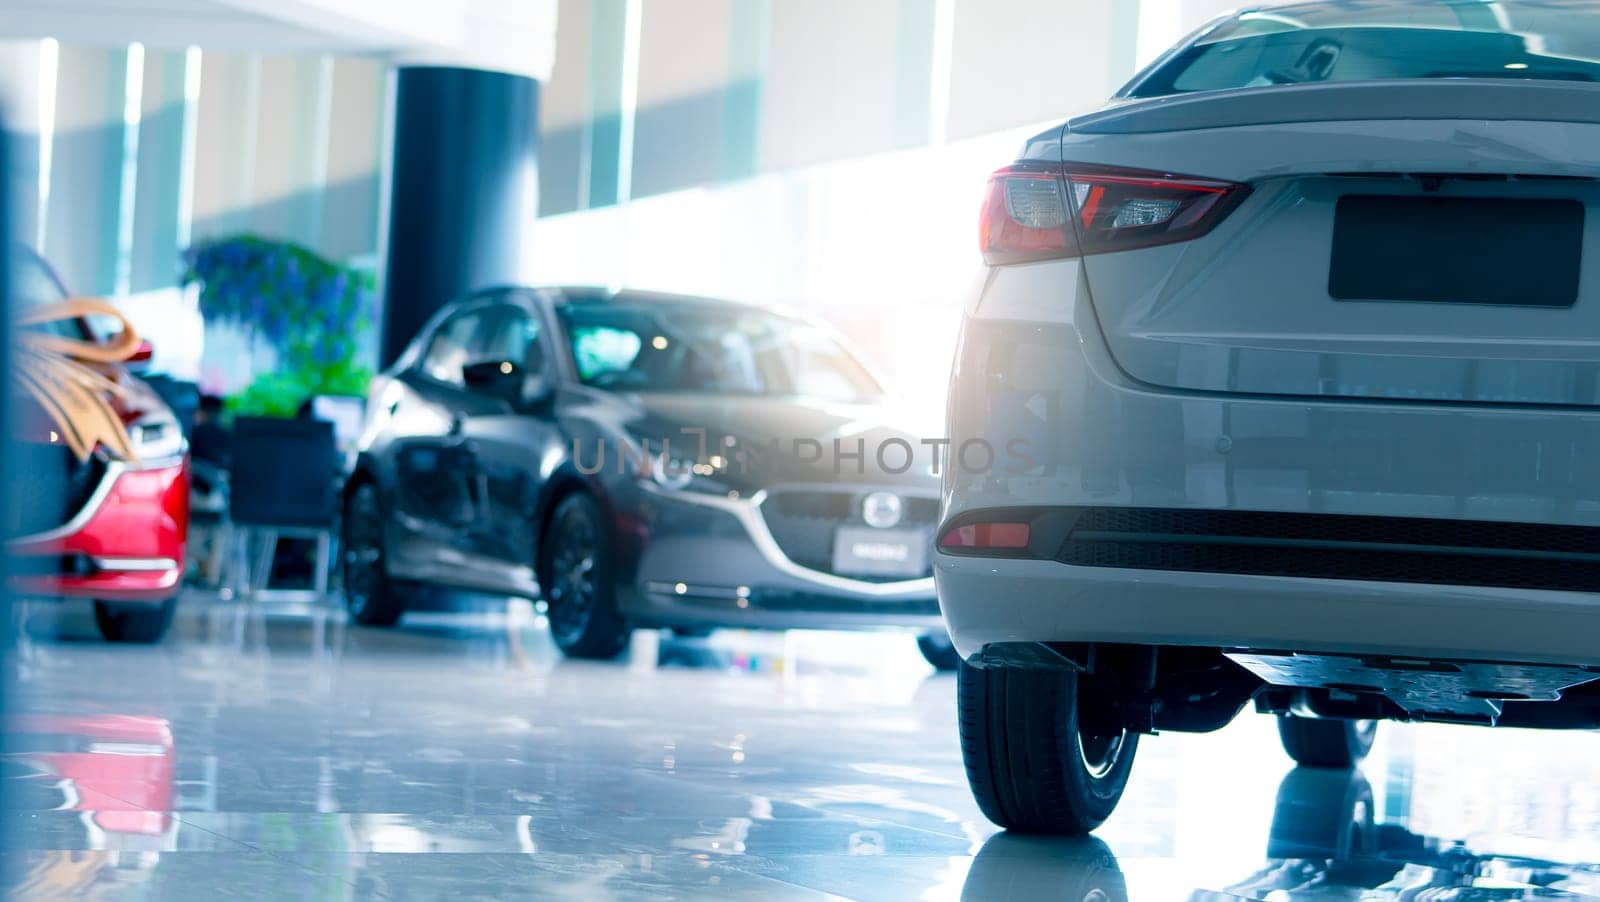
(881, 509)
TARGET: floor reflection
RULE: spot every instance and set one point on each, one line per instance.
(1011, 866)
(1324, 844)
(97, 782)
(280, 752)
(115, 769)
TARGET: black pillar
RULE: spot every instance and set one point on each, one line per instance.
(464, 177)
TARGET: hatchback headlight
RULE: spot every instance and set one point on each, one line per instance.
(686, 474)
(155, 439)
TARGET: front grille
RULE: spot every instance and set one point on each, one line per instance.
(49, 485)
(803, 523)
(1338, 546)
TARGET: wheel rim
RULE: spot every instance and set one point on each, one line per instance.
(1101, 738)
(572, 592)
(363, 550)
(1100, 752)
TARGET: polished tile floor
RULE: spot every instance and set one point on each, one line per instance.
(278, 752)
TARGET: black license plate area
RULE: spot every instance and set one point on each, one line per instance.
(1514, 252)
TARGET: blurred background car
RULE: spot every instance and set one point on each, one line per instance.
(107, 529)
(631, 459)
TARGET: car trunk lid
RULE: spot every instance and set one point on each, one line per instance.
(1399, 241)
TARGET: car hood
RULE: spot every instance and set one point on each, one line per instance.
(792, 440)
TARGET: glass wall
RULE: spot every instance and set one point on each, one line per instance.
(133, 155)
(842, 181)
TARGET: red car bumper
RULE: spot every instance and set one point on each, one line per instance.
(125, 545)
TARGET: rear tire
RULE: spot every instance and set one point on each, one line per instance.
(371, 596)
(575, 577)
(939, 651)
(144, 623)
(1326, 742)
(1045, 750)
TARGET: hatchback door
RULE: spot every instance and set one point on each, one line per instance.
(1425, 239)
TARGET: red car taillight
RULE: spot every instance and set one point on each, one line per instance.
(1025, 212)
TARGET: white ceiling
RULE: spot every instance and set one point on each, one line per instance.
(165, 24)
(512, 35)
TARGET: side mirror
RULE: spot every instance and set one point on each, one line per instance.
(507, 381)
(496, 378)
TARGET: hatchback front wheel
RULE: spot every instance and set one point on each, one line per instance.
(371, 596)
(575, 577)
(138, 622)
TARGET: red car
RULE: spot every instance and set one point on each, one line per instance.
(104, 529)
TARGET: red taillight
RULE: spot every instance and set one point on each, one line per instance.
(1025, 210)
(1121, 210)
(1024, 216)
(982, 536)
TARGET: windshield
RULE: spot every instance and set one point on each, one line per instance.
(1363, 42)
(686, 347)
(33, 285)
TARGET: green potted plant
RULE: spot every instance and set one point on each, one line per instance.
(310, 310)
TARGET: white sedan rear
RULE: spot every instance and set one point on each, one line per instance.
(1289, 358)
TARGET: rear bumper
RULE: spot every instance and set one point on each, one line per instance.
(1033, 367)
(990, 601)
(125, 545)
(709, 561)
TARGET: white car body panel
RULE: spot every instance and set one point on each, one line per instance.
(1123, 444)
(1219, 373)
(1287, 364)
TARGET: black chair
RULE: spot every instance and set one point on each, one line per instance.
(282, 483)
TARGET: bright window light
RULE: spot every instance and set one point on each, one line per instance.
(132, 112)
(191, 121)
(49, 61)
